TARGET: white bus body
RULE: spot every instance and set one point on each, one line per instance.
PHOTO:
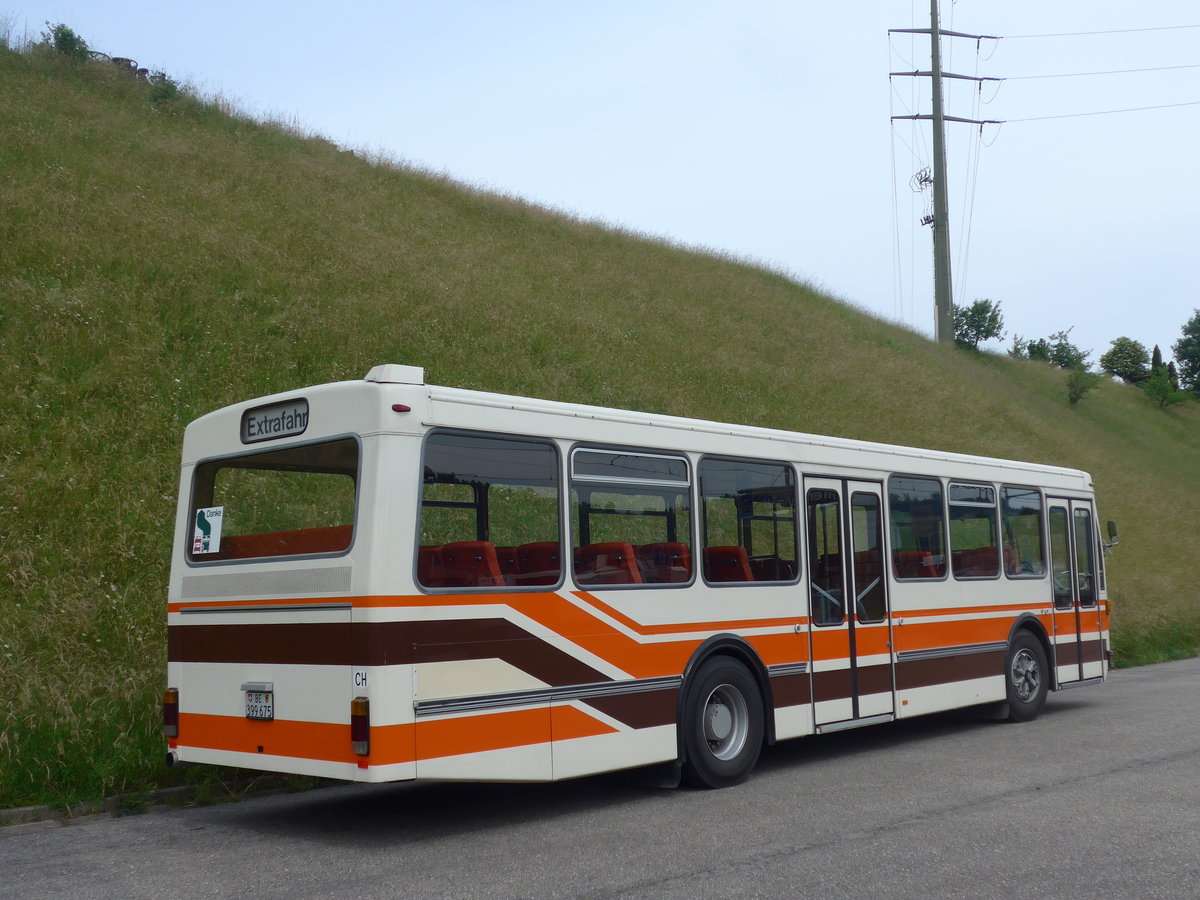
(383, 579)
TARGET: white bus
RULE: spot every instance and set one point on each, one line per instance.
(382, 579)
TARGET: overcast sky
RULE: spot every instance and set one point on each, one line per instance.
(760, 128)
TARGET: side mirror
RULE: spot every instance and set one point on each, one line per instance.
(1112, 532)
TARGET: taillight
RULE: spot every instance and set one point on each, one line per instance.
(360, 726)
(170, 726)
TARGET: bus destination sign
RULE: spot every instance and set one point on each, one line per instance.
(266, 423)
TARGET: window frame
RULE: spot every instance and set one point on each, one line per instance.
(258, 450)
(702, 520)
(893, 547)
(656, 486)
(482, 511)
(1043, 531)
(994, 506)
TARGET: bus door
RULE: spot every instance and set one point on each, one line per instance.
(1073, 565)
(852, 677)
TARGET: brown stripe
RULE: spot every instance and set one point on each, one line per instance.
(379, 644)
(448, 641)
(791, 690)
(642, 710)
(833, 685)
(947, 669)
(1093, 651)
(1066, 654)
(875, 679)
(318, 644)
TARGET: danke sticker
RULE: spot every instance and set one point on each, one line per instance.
(207, 535)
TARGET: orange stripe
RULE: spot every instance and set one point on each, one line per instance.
(499, 731)
(930, 635)
(280, 737)
(389, 743)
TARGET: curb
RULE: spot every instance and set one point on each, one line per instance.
(28, 818)
(110, 806)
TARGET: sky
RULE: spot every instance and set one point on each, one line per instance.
(761, 129)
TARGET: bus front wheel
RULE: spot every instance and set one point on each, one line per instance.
(1027, 676)
(722, 723)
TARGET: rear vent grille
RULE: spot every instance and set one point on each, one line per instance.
(306, 582)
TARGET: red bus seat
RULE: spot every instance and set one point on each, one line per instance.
(609, 563)
(471, 564)
(727, 564)
(539, 562)
(668, 562)
(431, 571)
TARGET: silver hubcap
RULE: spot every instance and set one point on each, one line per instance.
(1026, 676)
(726, 721)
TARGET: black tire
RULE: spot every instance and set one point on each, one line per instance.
(1027, 677)
(722, 724)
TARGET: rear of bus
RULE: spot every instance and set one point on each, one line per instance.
(278, 542)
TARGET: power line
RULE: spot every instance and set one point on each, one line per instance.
(1111, 72)
(1013, 37)
(1105, 112)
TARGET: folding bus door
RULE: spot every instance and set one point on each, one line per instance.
(1073, 565)
(852, 676)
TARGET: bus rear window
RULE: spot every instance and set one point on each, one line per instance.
(295, 501)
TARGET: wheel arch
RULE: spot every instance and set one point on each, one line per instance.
(736, 648)
(1032, 624)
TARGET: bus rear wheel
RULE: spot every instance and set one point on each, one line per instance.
(1026, 675)
(722, 724)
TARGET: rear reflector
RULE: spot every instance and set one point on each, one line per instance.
(170, 726)
(360, 726)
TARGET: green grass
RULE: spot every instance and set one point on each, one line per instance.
(163, 259)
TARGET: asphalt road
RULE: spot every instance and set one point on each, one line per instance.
(1100, 797)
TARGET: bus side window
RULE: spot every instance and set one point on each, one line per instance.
(631, 517)
(1024, 542)
(489, 512)
(917, 522)
(973, 549)
(749, 521)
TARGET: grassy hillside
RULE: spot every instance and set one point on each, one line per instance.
(159, 261)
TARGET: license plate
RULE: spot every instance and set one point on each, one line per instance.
(260, 704)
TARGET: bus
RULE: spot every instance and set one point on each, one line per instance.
(385, 580)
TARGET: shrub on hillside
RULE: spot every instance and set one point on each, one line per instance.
(1079, 382)
(64, 40)
(1160, 388)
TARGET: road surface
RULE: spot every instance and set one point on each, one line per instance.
(1100, 797)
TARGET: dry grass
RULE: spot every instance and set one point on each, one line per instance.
(161, 262)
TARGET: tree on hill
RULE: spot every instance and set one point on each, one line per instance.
(62, 39)
(1056, 349)
(1187, 354)
(1066, 355)
(981, 321)
(1156, 359)
(1127, 359)
(1160, 388)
